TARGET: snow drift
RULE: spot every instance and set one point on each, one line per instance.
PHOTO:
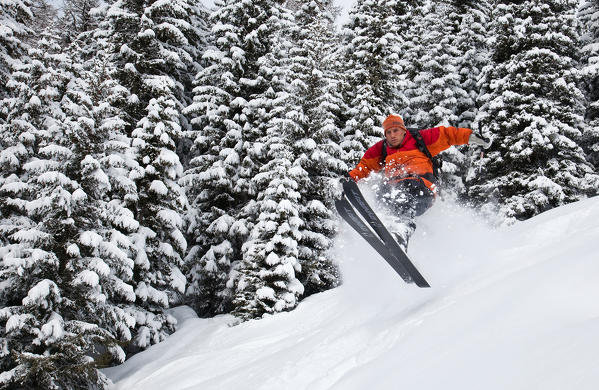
(510, 308)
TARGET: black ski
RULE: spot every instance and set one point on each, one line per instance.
(383, 242)
(348, 213)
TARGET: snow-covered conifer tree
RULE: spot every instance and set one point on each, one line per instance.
(61, 272)
(371, 59)
(316, 104)
(155, 51)
(153, 38)
(15, 20)
(442, 83)
(294, 229)
(45, 16)
(76, 18)
(406, 23)
(472, 18)
(589, 18)
(435, 87)
(233, 98)
(534, 110)
(266, 280)
(123, 165)
(159, 242)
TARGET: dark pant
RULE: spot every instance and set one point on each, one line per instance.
(408, 198)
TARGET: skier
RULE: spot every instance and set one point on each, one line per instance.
(409, 187)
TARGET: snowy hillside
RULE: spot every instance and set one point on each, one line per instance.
(514, 308)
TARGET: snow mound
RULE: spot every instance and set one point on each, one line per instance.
(509, 308)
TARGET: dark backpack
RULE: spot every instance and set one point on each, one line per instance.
(437, 162)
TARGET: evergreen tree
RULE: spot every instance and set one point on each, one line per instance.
(372, 52)
(15, 19)
(444, 86)
(159, 242)
(44, 17)
(62, 273)
(77, 18)
(215, 113)
(589, 18)
(267, 281)
(119, 161)
(155, 48)
(435, 87)
(294, 230)
(231, 110)
(406, 21)
(151, 39)
(473, 53)
(471, 19)
(315, 109)
(534, 109)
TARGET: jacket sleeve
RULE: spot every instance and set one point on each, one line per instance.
(440, 138)
(370, 162)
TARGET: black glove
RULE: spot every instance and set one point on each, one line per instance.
(346, 177)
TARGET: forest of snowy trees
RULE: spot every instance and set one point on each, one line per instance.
(155, 153)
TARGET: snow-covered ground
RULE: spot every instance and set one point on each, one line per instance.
(509, 308)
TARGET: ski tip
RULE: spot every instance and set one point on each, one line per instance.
(422, 284)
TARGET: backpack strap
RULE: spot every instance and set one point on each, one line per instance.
(383, 160)
(424, 149)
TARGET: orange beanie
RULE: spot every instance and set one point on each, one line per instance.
(393, 121)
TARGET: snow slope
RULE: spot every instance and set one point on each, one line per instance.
(510, 308)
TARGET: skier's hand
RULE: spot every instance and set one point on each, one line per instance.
(478, 139)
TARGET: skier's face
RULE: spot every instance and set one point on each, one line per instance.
(395, 136)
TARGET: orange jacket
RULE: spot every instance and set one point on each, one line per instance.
(407, 161)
